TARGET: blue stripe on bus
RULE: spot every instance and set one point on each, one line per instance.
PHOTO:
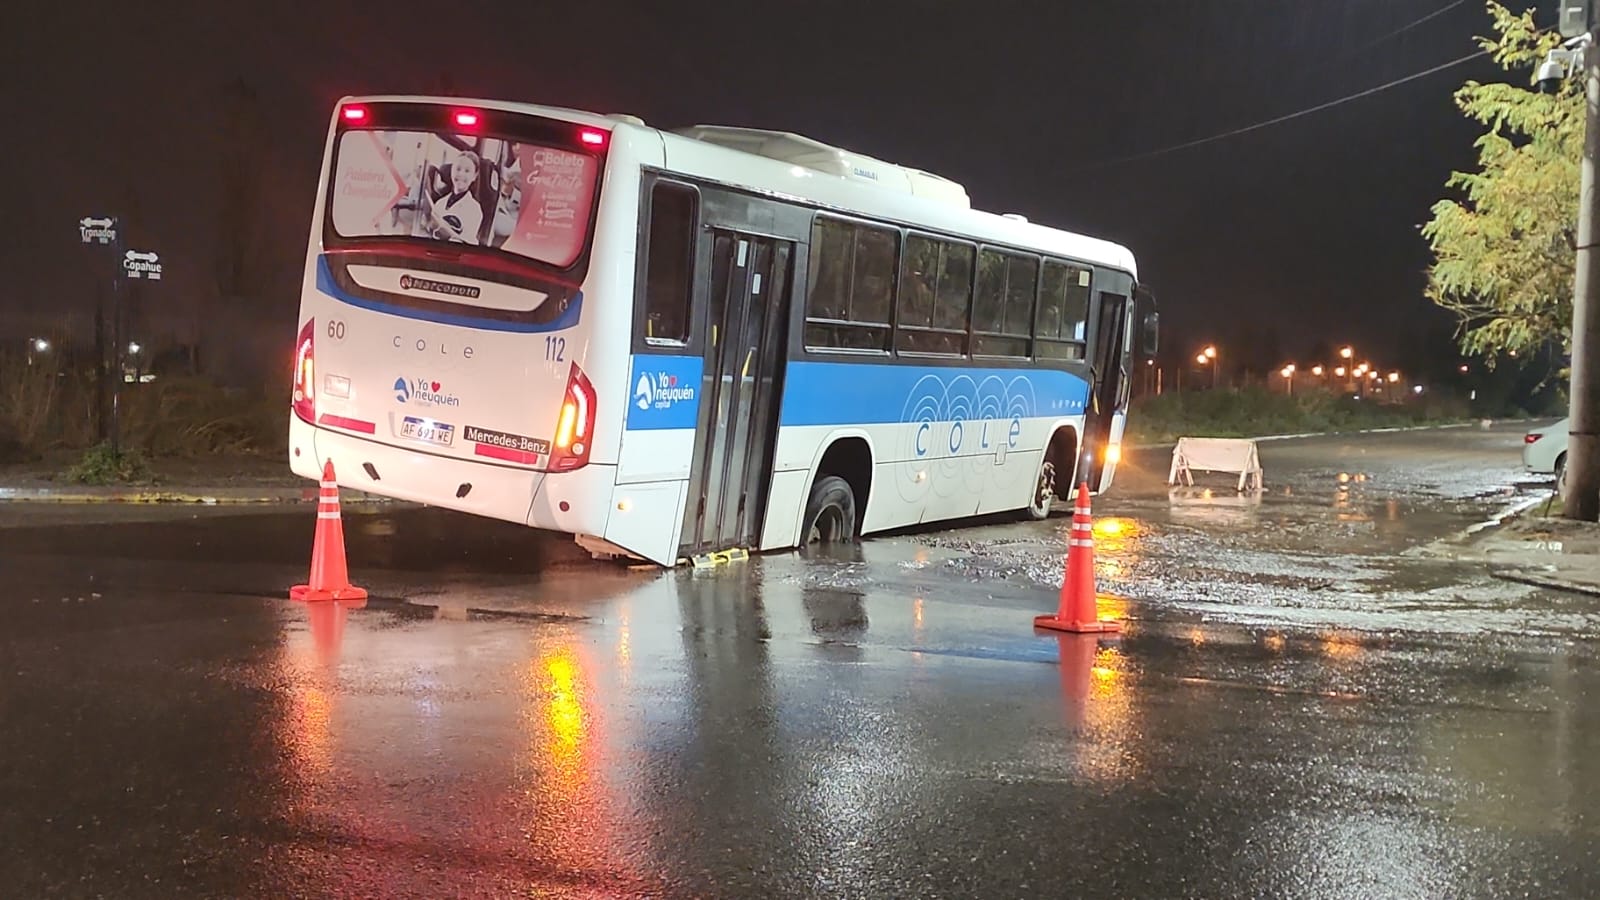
(817, 393)
(326, 285)
(666, 389)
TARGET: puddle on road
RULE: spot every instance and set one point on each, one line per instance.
(1333, 549)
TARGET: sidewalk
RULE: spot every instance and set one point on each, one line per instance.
(216, 481)
(1531, 544)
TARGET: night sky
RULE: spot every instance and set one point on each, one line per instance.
(1307, 229)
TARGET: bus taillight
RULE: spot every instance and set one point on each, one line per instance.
(592, 137)
(305, 395)
(573, 428)
(355, 113)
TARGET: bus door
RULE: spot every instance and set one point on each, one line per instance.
(745, 339)
(1108, 379)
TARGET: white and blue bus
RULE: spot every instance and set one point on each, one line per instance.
(674, 343)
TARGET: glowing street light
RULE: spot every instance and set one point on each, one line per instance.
(1394, 377)
(1346, 352)
(134, 348)
(1288, 377)
(1208, 356)
(1339, 371)
(1317, 371)
(40, 345)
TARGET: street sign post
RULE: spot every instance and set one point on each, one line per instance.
(106, 231)
(144, 265)
(139, 264)
(100, 230)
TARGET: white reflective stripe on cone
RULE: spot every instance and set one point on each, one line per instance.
(322, 514)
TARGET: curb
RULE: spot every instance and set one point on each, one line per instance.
(1507, 512)
(1554, 584)
(9, 495)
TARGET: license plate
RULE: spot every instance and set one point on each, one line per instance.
(423, 430)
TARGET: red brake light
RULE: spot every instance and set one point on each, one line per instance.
(305, 376)
(1530, 438)
(575, 427)
(467, 119)
(592, 137)
(355, 113)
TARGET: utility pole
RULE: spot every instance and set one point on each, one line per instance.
(1583, 442)
(1578, 21)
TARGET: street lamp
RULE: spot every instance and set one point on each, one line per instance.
(40, 345)
(1317, 371)
(1288, 378)
(1346, 352)
(138, 364)
(1394, 377)
(1339, 372)
(1209, 355)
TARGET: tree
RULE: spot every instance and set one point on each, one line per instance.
(1504, 253)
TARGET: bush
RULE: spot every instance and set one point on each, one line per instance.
(195, 417)
(1254, 412)
(102, 465)
(29, 401)
(50, 405)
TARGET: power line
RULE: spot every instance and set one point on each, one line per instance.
(1280, 119)
(1393, 34)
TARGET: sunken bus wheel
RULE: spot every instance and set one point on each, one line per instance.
(831, 512)
(1044, 491)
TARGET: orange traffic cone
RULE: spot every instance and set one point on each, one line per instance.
(1077, 609)
(330, 579)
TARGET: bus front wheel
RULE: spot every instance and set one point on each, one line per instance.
(1044, 492)
(831, 512)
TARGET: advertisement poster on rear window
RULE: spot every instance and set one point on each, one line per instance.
(530, 200)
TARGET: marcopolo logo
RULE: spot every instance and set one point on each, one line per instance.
(422, 392)
(660, 391)
(448, 288)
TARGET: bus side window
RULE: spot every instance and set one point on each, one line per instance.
(1063, 305)
(669, 264)
(852, 286)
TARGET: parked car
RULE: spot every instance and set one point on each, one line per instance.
(1544, 451)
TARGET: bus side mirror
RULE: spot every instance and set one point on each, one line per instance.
(1152, 332)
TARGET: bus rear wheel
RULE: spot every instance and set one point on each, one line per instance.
(831, 512)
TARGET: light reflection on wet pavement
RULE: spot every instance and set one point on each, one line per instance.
(1300, 707)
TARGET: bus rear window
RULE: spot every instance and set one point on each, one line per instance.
(524, 199)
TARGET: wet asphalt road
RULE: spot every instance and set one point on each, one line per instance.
(1305, 704)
